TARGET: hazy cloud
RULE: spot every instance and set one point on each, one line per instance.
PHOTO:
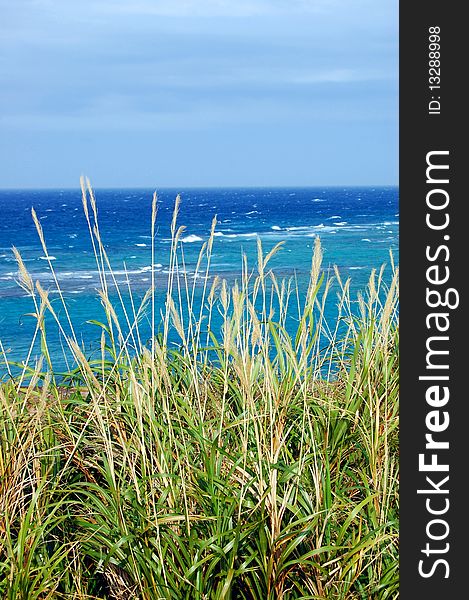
(201, 68)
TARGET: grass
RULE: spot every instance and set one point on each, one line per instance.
(244, 463)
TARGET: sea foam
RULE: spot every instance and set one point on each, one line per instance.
(191, 238)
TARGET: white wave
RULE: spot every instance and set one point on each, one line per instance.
(355, 268)
(148, 268)
(48, 257)
(73, 235)
(334, 217)
(141, 245)
(252, 212)
(231, 235)
(341, 223)
(218, 234)
(323, 229)
(366, 240)
(191, 238)
(321, 225)
(85, 276)
(318, 200)
(276, 227)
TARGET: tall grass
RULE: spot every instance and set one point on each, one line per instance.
(240, 463)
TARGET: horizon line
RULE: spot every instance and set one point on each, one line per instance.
(185, 187)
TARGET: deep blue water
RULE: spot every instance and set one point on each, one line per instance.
(357, 227)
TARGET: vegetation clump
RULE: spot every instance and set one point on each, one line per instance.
(242, 463)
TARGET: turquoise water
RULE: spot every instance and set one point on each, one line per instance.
(357, 226)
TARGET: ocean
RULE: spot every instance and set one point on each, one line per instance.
(357, 226)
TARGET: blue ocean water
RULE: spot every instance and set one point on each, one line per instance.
(357, 226)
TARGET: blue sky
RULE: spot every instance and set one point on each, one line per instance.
(156, 93)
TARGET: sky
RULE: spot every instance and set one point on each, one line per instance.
(181, 93)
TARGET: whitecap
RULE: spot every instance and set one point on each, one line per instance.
(276, 227)
(322, 228)
(191, 238)
(47, 258)
(340, 223)
(141, 245)
(148, 268)
(365, 240)
(355, 268)
(334, 217)
(73, 235)
(218, 234)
